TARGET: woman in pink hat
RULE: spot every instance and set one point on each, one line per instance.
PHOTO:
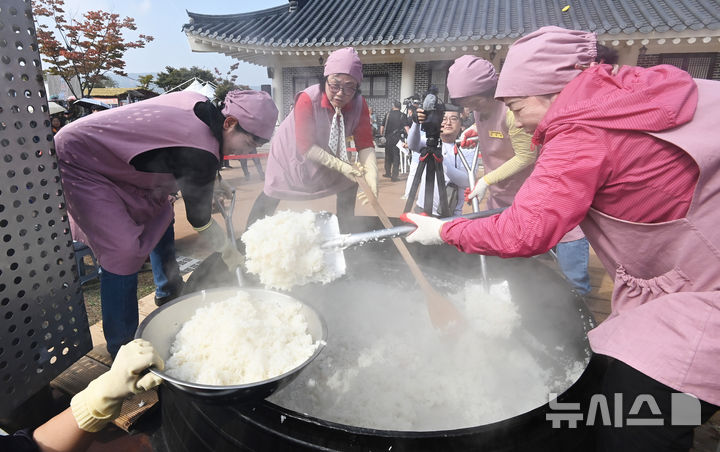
(507, 155)
(119, 166)
(630, 154)
(506, 152)
(308, 157)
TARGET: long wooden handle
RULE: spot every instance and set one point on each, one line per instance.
(399, 244)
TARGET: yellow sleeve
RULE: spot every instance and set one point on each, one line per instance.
(524, 155)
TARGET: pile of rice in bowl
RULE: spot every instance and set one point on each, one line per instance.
(284, 251)
(237, 341)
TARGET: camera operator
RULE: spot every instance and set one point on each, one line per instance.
(456, 176)
(508, 158)
(392, 129)
(507, 155)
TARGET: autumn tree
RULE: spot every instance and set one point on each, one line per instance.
(83, 50)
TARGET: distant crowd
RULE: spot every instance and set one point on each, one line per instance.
(72, 112)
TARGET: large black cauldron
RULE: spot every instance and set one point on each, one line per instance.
(548, 306)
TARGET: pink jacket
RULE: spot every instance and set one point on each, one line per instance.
(120, 212)
(653, 226)
(595, 152)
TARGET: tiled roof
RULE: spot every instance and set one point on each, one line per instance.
(332, 23)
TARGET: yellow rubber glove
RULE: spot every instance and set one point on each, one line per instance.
(367, 159)
(321, 156)
(100, 402)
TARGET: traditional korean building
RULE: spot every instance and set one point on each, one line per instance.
(406, 45)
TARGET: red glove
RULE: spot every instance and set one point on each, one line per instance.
(469, 138)
(404, 217)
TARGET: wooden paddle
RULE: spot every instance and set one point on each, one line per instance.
(443, 313)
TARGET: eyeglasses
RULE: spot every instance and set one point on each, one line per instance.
(347, 89)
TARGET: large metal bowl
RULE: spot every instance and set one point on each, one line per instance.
(163, 324)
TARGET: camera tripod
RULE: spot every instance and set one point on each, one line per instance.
(431, 162)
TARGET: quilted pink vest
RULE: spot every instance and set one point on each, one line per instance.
(289, 175)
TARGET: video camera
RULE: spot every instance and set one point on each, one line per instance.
(434, 112)
(412, 101)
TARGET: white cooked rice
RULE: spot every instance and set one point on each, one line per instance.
(237, 341)
(390, 370)
(284, 251)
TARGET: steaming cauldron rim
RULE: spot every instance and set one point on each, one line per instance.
(268, 424)
(285, 414)
(585, 317)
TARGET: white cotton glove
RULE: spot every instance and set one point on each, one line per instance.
(101, 401)
(321, 156)
(479, 190)
(369, 163)
(428, 229)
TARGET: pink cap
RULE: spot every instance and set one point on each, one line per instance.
(255, 111)
(470, 75)
(544, 61)
(344, 61)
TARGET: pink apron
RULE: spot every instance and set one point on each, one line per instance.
(496, 149)
(289, 175)
(119, 212)
(573, 234)
(665, 319)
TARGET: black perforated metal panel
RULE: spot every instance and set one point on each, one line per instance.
(43, 324)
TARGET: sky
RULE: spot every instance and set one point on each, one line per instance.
(163, 20)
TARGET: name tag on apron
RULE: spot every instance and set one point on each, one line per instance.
(495, 134)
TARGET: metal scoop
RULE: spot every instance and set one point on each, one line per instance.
(225, 192)
(335, 242)
(471, 169)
